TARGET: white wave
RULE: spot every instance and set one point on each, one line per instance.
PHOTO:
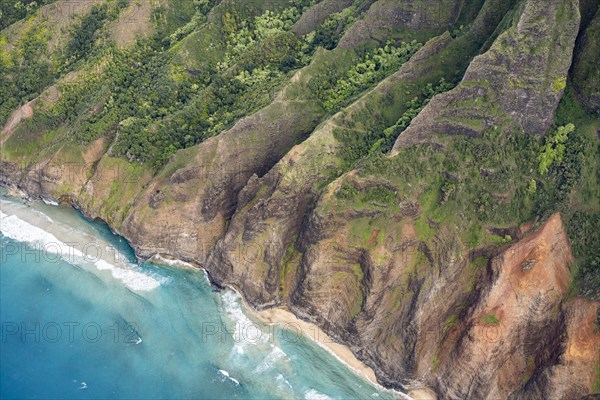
(172, 263)
(17, 229)
(206, 275)
(312, 394)
(275, 356)
(135, 280)
(238, 348)
(226, 374)
(282, 381)
(117, 256)
(245, 333)
(50, 202)
(243, 325)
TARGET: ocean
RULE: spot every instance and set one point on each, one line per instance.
(81, 319)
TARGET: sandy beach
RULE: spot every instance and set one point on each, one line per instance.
(285, 319)
(422, 394)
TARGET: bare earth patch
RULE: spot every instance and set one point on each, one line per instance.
(133, 22)
(26, 111)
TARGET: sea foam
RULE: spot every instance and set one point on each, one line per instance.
(313, 394)
(17, 229)
(226, 374)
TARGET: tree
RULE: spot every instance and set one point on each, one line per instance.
(554, 149)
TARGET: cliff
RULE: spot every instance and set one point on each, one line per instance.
(404, 210)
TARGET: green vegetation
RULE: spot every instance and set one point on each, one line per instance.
(584, 232)
(380, 140)
(83, 34)
(574, 190)
(208, 64)
(435, 363)
(450, 322)
(330, 32)
(490, 319)
(560, 84)
(152, 106)
(23, 71)
(14, 10)
(596, 387)
(413, 108)
(141, 97)
(380, 195)
(554, 150)
(499, 180)
(334, 91)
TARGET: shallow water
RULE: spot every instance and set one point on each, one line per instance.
(81, 319)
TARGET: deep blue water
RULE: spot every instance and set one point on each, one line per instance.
(80, 319)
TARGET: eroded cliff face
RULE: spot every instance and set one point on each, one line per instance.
(478, 326)
(519, 324)
(380, 255)
(518, 81)
(273, 210)
(585, 73)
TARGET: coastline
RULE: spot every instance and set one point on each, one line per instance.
(287, 320)
(284, 318)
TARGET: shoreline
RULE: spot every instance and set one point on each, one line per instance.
(285, 319)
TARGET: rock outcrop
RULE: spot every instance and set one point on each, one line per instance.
(586, 75)
(518, 81)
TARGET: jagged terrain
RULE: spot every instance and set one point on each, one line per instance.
(420, 179)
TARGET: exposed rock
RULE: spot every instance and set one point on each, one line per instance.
(410, 16)
(517, 318)
(133, 22)
(586, 74)
(275, 216)
(516, 84)
(317, 14)
(25, 112)
(202, 195)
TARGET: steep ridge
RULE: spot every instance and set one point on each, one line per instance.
(408, 17)
(521, 78)
(585, 75)
(182, 185)
(409, 292)
(272, 209)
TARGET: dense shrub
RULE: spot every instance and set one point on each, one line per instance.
(334, 91)
(14, 10)
(25, 71)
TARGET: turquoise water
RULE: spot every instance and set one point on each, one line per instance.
(80, 319)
